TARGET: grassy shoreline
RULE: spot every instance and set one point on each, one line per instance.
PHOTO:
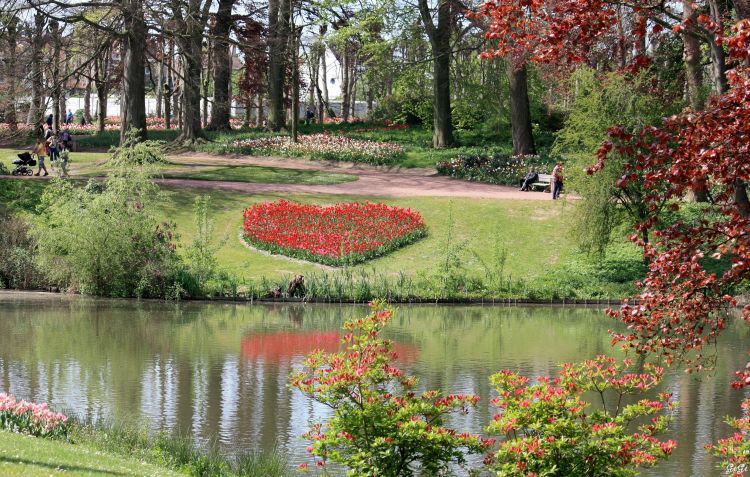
(128, 449)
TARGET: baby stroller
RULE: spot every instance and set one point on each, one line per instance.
(23, 164)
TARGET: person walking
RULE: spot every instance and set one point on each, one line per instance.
(69, 117)
(41, 150)
(309, 116)
(557, 180)
(66, 139)
(52, 146)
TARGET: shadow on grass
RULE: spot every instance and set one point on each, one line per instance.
(78, 468)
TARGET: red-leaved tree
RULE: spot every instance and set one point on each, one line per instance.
(684, 297)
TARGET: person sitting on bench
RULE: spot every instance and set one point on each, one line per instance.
(530, 178)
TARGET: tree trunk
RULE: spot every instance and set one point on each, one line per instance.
(160, 80)
(740, 198)
(205, 83)
(442, 132)
(345, 86)
(177, 94)
(169, 90)
(439, 35)
(370, 101)
(133, 103)
(191, 95)
(718, 57)
(54, 30)
(248, 111)
(353, 89)
(11, 35)
(324, 71)
(520, 114)
(691, 53)
(222, 65)
(101, 80)
(259, 111)
(101, 96)
(87, 101)
(230, 86)
(278, 39)
(295, 84)
(36, 111)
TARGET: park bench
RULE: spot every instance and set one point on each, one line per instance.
(543, 182)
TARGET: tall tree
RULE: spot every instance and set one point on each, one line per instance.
(692, 58)
(133, 101)
(279, 18)
(440, 37)
(56, 38)
(520, 110)
(191, 17)
(36, 109)
(222, 66)
(11, 37)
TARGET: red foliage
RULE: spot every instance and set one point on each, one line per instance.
(680, 307)
(252, 77)
(547, 31)
(337, 234)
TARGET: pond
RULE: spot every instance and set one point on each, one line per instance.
(220, 370)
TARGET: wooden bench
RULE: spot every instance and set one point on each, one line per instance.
(544, 182)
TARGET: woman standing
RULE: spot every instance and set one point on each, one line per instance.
(41, 150)
(557, 180)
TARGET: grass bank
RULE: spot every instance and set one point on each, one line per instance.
(30, 457)
(125, 449)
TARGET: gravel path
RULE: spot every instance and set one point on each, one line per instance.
(374, 181)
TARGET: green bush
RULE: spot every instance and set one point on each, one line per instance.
(104, 239)
(602, 101)
(17, 250)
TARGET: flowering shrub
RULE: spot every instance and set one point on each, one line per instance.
(551, 430)
(380, 425)
(345, 233)
(496, 169)
(326, 147)
(29, 418)
(735, 450)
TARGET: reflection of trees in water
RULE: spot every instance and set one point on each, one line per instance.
(182, 364)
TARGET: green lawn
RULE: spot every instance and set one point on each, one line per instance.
(259, 174)
(541, 256)
(92, 164)
(29, 457)
(534, 234)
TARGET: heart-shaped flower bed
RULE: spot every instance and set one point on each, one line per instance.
(339, 234)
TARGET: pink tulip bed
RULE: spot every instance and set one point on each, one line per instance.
(29, 418)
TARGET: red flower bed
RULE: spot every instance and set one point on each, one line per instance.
(339, 234)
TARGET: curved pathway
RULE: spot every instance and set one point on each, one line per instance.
(374, 181)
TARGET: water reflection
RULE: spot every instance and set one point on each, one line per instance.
(220, 371)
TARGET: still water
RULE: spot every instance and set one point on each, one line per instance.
(219, 371)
